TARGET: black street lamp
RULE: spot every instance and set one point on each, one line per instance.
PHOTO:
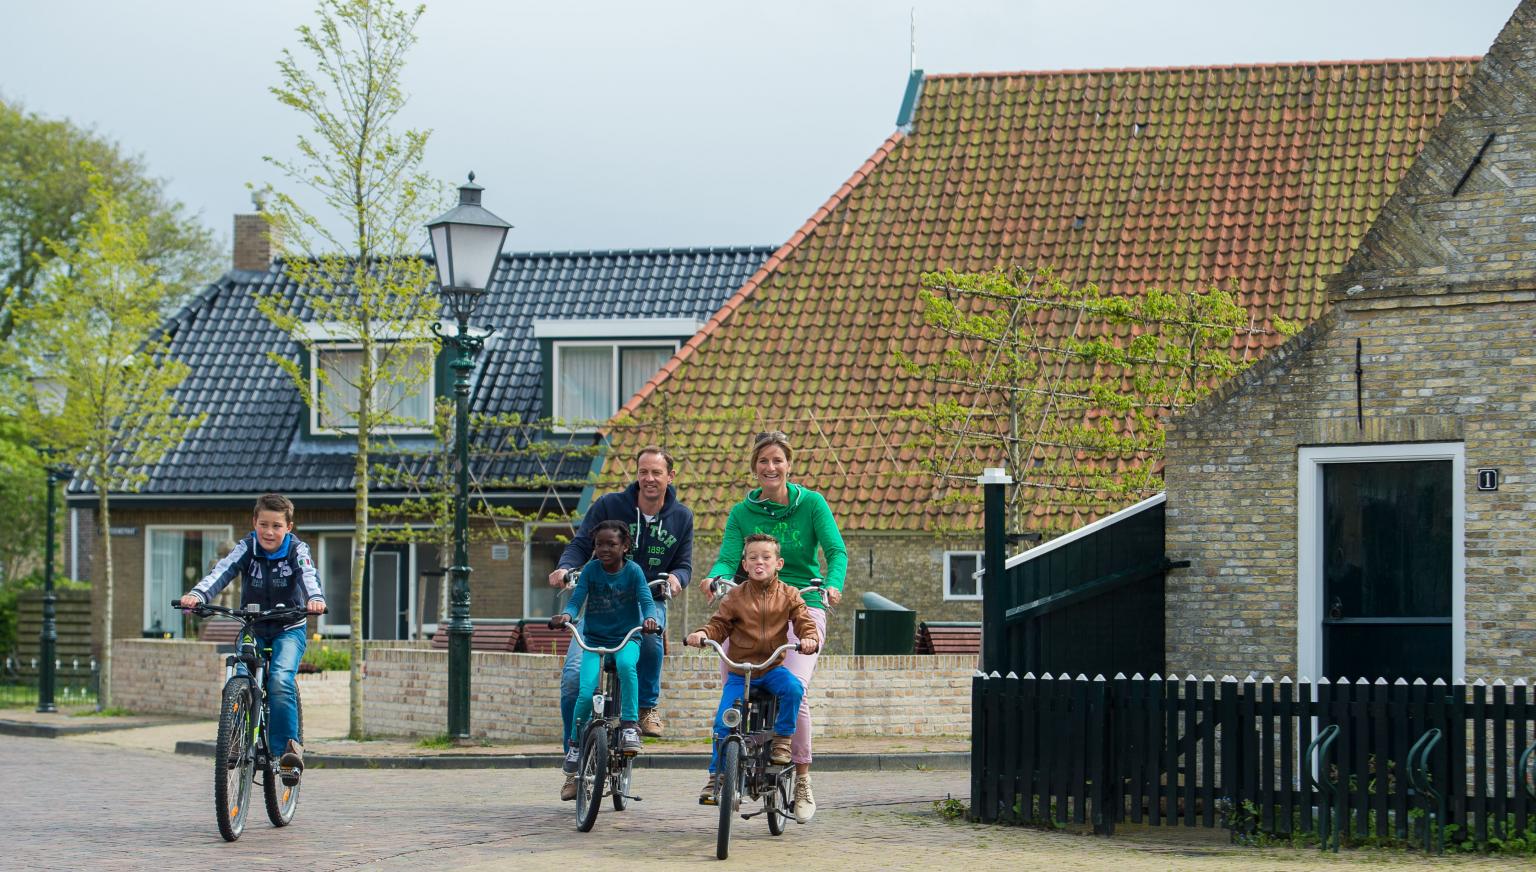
(49, 395)
(466, 242)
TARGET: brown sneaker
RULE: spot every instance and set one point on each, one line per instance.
(780, 755)
(708, 796)
(650, 723)
(291, 765)
(568, 791)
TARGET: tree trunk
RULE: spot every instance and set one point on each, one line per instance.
(104, 681)
(359, 561)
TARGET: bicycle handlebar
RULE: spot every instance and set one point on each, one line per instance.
(723, 586)
(657, 593)
(576, 637)
(244, 615)
(749, 667)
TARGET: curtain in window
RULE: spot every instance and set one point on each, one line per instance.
(637, 365)
(411, 399)
(586, 384)
(336, 578)
(164, 581)
(338, 399)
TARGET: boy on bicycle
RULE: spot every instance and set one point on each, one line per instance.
(756, 618)
(276, 570)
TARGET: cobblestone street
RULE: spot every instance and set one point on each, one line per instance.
(73, 804)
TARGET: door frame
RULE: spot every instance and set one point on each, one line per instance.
(1309, 538)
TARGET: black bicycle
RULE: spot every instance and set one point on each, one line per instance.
(602, 761)
(242, 748)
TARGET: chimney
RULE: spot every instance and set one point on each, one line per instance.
(253, 242)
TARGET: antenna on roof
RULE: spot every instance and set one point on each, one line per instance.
(912, 59)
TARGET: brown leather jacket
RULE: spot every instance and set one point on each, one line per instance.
(756, 618)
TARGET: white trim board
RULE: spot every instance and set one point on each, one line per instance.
(1309, 537)
(615, 328)
(1059, 541)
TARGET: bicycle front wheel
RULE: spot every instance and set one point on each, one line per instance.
(730, 782)
(282, 799)
(591, 772)
(234, 758)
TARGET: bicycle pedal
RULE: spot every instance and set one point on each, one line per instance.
(290, 777)
(708, 800)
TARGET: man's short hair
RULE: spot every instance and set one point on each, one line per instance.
(655, 449)
(761, 537)
(274, 503)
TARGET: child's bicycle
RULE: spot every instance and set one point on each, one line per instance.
(743, 769)
(242, 749)
(602, 762)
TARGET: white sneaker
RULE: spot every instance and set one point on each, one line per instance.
(572, 757)
(805, 800)
(629, 740)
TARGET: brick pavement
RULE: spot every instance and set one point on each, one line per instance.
(71, 804)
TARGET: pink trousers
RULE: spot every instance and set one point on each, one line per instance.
(801, 666)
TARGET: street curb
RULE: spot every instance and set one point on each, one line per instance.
(55, 731)
(950, 760)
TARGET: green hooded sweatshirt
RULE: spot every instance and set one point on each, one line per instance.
(801, 527)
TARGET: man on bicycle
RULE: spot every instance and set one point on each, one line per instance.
(275, 569)
(662, 530)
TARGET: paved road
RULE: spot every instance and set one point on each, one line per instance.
(72, 804)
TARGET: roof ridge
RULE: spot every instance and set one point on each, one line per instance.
(729, 306)
(630, 252)
(996, 74)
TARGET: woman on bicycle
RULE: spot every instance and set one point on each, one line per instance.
(801, 521)
(617, 598)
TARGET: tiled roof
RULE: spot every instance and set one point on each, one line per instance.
(1263, 177)
(251, 442)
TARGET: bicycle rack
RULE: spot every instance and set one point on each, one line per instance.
(1420, 783)
(1317, 752)
(1525, 770)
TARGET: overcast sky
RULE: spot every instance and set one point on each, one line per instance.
(626, 123)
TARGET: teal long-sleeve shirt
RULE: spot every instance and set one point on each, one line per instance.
(802, 527)
(616, 602)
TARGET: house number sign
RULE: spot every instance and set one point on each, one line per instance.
(1487, 479)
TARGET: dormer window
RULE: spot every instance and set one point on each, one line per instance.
(594, 366)
(405, 403)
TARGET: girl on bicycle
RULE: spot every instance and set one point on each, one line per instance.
(614, 591)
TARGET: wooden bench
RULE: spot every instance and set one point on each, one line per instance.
(486, 636)
(225, 631)
(948, 637)
(538, 638)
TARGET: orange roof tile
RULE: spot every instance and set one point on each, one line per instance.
(1263, 176)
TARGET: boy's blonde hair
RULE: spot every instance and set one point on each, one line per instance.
(274, 503)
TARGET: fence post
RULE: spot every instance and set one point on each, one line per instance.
(993, 481)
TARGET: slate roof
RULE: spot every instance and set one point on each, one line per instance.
(251, 442)
(1265, 176)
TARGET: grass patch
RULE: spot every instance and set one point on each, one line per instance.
(439, 742)
(112, 711)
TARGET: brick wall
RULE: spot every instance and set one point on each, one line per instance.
(517, 696)
(185, 678)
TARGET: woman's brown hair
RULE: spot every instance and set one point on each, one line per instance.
(767, 438)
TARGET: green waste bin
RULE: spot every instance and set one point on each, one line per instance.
(883, 627)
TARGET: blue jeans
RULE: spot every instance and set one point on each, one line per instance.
(650, 673)
(282, 689)
(592, 672)
(781, 683)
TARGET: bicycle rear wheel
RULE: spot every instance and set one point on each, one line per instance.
(621, 784)
(776, 803)
(282, 799)
(234, 758)
(591, 773)
(730, 782)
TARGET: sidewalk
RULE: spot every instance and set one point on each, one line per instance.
(327, 746)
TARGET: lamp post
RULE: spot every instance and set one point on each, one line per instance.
(466, 242)
(49, 395)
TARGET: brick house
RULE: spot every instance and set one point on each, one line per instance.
(1263, 176)
(578, 333)
(1362, 502)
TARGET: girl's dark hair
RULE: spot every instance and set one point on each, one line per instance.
(618, 527)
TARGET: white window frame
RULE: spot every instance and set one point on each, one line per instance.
(315, 388)
(322, 538)
(1309, 538)
(949, 578)
(149, 552)
(615, 401)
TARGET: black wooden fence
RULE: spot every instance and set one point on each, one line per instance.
(1169, 751)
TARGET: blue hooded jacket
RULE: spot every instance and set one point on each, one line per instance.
(662, 547)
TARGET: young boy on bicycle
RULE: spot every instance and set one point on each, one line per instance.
(756, 618)
(617, 598)
(275, 569)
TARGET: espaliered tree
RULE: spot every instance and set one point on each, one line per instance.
(1076, 413)
(96, 336)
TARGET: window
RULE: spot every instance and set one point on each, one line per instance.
(593, 379)
(177, 558)
(960, 581)
(540, 556)
(335, 565)
(405, 400)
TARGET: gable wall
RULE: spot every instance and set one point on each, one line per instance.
(1438, 366)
